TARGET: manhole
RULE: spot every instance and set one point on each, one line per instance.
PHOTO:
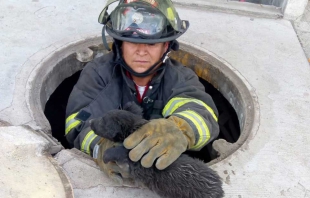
(57, 75)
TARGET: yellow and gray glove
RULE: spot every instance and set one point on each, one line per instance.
(161, 139)
(114, 170)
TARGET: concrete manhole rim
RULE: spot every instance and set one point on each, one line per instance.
(44, 66)
(247, 91)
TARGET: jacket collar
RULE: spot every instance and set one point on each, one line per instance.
(155, 80)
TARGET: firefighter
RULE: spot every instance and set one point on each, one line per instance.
(182, 115)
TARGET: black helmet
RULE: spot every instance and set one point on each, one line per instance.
(143, 21)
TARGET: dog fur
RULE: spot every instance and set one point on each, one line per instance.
(185, 178)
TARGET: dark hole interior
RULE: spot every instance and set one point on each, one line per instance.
(228, 121)
(55, 108)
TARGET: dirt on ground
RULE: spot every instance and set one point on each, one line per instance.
(4, 124)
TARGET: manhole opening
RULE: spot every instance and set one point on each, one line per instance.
(54, 78)
(228, 120)
(228, 123)
(55, 108)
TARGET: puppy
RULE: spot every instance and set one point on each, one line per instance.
(185, 178)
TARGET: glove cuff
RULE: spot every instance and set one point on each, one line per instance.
(185, 128)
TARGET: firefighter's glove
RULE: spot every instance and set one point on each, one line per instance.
(115, 170)
(161, 139)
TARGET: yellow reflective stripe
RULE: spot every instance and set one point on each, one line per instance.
(175, 103)
(170, 14)
(203, 130)
(71, 126)
(89, 138)
(71, 117)
(71, 123)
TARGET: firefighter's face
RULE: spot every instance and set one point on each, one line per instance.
(140, 57)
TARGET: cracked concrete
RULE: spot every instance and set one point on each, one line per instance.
(24, 160)
(302, 27)
(88, 181)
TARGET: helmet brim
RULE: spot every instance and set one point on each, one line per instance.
(145, 41)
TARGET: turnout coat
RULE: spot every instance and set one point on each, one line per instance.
(174, 90)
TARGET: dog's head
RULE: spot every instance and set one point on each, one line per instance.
(117, 124)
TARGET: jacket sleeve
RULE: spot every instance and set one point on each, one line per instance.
(190, 102)
(78, 132)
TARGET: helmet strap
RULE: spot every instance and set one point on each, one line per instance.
(151, 70)
(148, 72)
(104, 39)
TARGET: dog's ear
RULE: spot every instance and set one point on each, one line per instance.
(95, 124)
(138, 124)
(133, 108)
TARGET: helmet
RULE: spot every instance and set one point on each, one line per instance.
(143, 21)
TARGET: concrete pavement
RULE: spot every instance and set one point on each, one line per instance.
(265, 53)
(26, 170)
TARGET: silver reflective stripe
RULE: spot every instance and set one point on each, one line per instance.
(201, 126)
(95, 151)
(70, 122)
(175, 103)
(88, 139)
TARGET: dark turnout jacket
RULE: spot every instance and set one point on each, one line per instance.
(174, 90)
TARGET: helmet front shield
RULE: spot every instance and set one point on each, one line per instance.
(138, 19)
(164, 6)
(167, 9)
(142, 21)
